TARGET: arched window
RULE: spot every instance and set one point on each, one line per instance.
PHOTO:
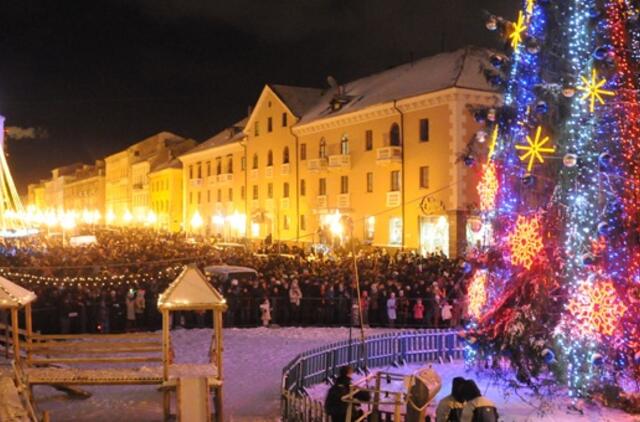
(270, 158)
(344, 145)
(322, 152)
(285, 155)
(255, 161)
(218, 165)
(394, 135)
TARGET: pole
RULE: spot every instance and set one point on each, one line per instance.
(15, 334)
(29, 328)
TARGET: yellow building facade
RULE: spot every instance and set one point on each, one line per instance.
(35, 196)
(86, 191)
(165, 196)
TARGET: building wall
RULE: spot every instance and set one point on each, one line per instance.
(274, 214)
(117, 188)
(165, 198)
(86, 194)
(140, 200)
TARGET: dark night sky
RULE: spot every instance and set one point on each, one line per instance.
(98, 75)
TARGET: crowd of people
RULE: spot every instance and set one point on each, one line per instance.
(292, 285)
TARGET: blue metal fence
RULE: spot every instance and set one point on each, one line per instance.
(322, 364)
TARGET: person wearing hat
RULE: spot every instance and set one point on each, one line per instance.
(335, 407)
(450, 408)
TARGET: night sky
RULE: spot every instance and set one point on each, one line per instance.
(94, 76)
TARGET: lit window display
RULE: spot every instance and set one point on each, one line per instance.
(395, 231)
(434, 235)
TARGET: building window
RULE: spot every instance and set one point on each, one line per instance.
(199, 196)
(209, 196)
(395, 231)
(395, 180)
(303, 187)
(303, 152)
(284, 120)
(242, 193)
(256, 129)
(191, 171)
(368, 140)
(344, 184)
(394, 135)
(255, 161)
(285, 222)
(424, 130)
(285, 155)
(199, 170)
(255, 191)
(269, 158)
(303, 222)
(230, 194)
(243, 163)
(322, 186)
(285, 190)
(208, 168)
(424, 177)
(269, 124)
(370, 182)
(218, 165)
(369, 228)
(230, 164)
(190, 197)
(219, 195)
(344, 145)
(270, 190)
(322, 150)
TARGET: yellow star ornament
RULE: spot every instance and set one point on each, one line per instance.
(593, 90)
(535, 148)
(529, 8)
(517, 31)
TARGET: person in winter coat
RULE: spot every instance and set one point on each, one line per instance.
(131, 310)
(477, 408)
(450, 408)
(446, 314)
(265, 312)
(391, 309)
(418, 311)
(335, 407)
(295, 298)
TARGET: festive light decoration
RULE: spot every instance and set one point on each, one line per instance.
(593, 90)
(597, 308)
(535, 148)
(488, 187)
(477, 293)
(524, 241)
(517, 31)
(529, 8)
(492, 143)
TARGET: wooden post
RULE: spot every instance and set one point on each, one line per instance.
(166, 394)
(217, 328)
(375, 416)
(5, 319)
(29, 326)
(398, 405)
(16, 334)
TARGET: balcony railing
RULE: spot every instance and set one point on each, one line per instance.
(317, 164)
(394, 198)
(388, 155)
(197, 182)
(268, 172)
(340, 162)
(344, 201)
(284, 203)
(224, 178)
(254, 173)
(285, 170)
(322, 201)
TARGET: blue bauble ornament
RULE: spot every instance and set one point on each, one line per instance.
(636, 357)
(497, 60)
(542, 107)
(594, 12)
(602, 52)
(597, 359)
(480, 116)
(466, 267)
(588, 259)
(548, 356)
(604, 228)
(469, 160)
(605, 160)
(529, 180)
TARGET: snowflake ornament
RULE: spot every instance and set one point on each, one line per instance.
(488, 187)
(596, 308)
(477, 293)
(524, 241)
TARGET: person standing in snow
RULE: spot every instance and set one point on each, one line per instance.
(446, 314)
(265, 312)
(391, 309)
(418, 312)
(295, 298)
(131, 310)
(477, 407)
(450, 408)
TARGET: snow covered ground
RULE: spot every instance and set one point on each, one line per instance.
(253, 361)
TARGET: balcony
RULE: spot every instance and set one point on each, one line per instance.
(394, 199)
(254, 173)
(138, 186)
(388, 155)
(285, 170)
(340, 162)
(322, 201)
(197, 182)
(268, 172)
(224, 178)
(285, 203)
(317, 165)
(344, 201)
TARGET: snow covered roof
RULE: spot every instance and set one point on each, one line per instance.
(191, 290)
(14, 296)
(299, 99)
(462, 68)
(224, 137)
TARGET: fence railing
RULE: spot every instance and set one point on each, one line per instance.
(322, 364)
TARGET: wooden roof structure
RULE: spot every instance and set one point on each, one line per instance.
(13, 296)
(191, 290)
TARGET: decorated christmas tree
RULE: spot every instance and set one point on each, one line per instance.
(555, 290)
